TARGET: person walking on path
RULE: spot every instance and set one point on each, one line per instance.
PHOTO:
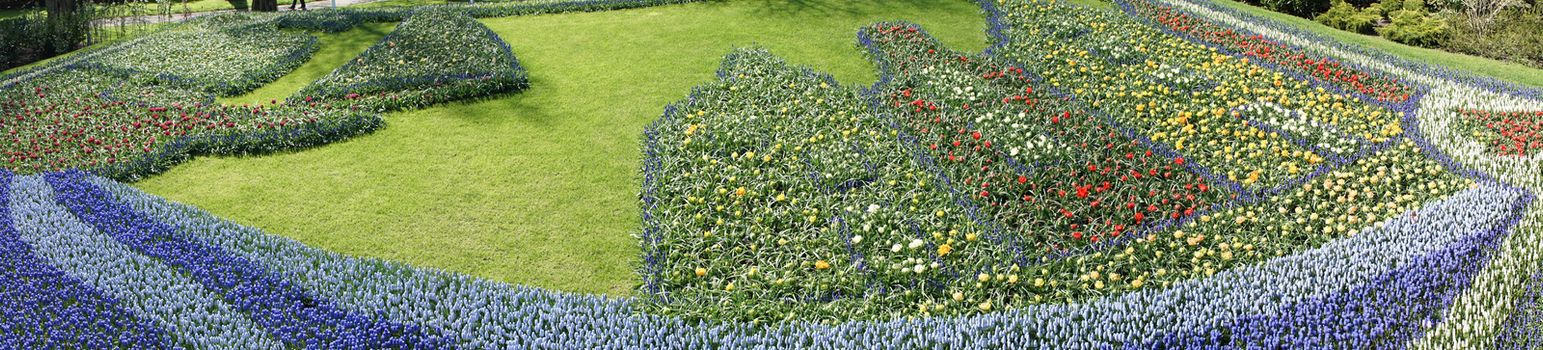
(293, 2)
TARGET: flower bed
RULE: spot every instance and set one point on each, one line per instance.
(89, 117)
(226, 57)
(1041, 166)
(1376, 85)
(411, 67)
(1507, 133)
(46, 308)
(1223, 123)
(1363, 270)
(140, 109)
(1094, 180)
(776, 193)
(990, 140)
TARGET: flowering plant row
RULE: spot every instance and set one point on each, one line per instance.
(47, 308)
(1223, 125)
(1480, 313)
(92, 117)
(1507, 133)
(337, 20)
(121, 114)
(227, 54)
(775, 194)
(1376, 85)
(412, 68)
(143, 285)
(289, 313)
(990, 136)
(1389, 265)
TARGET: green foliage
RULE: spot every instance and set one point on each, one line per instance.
(224, 54)
(34, 36)
(1376, 10)
(411, 67)
(1304, 8)
(541, 186)
(335, 49)
(1481, 62)
(1513, 37)
(1415, 28)
(1345, 16)
(1385, 6)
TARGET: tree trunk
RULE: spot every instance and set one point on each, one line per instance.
(265, 5)
(65, 30)
(59, 9)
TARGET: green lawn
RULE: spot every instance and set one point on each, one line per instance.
(334, 50)
(1504, 70)
(539, 187)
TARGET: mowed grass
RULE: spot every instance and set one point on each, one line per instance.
(1507, 71)
(539, 187)
(332, 51)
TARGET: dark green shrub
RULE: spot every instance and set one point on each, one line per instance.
(17, 4)
(33, 36)
(1415, 28)
(1302, 8)
(1514, 36)
(1345, 16)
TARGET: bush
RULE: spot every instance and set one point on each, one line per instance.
(22, 44)
(31, 37)
(1513, 37)
(18, 4)
(1302, 8)
(1415, 28)
(1345, 16)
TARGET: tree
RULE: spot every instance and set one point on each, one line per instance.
(1480, 14)
(67, 25)
(265, 5)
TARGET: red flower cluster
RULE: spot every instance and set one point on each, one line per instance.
(1377, 86)
(54, 125)
(1507, 133)
(1095, 183)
